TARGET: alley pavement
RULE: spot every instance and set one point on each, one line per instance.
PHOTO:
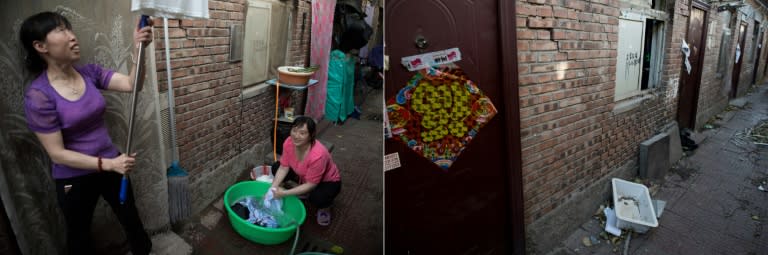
(714, 204)
(357, 222)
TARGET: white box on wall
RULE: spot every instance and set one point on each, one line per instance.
(256, 42)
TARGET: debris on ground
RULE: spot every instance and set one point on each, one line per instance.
(658, 207)
(731, 108)
(755, 218)
(759, 133)
(686, 141)
(616, 241)
(599, 210)
(610, 222)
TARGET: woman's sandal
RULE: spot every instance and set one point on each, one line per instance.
(323, 217)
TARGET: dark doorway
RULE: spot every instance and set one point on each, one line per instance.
(765, 67)
(690, 82)
(758, 47)
(475, 206)
(737, 66)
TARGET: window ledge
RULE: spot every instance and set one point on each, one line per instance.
(629, 104)
(255, 90)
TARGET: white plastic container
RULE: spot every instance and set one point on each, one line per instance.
(262, 174)
(633, 206)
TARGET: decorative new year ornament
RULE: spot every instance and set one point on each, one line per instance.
(438, 113)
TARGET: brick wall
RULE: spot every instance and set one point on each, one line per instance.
(567, 56)
(300, 44)
(574, 136)
(571, 132)
(214, 123)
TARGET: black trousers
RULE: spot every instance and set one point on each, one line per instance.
(79, 202)
(323, 194)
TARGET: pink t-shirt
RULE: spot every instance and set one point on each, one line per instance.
(316, 167)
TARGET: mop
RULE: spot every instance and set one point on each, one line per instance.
(178, 189)
(178, 193)
(134, 96)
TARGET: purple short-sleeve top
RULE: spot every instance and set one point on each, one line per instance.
(81, 121)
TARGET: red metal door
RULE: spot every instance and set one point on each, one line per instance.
(475, 207)
(690, 82)
(737, 66)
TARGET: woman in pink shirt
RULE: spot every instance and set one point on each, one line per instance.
(312, 167)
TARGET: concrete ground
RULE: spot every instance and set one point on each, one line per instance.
(713, 205)
(357, 223)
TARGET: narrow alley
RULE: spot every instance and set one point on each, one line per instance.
(357, 215)
(453, 127)
(714, 204)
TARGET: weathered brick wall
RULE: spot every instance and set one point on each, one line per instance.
(572, 131)
(214, 122)
(574, 136)
(567, 56)
(673, 58)
(300, 44)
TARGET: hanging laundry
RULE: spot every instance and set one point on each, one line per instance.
(172, 9)
(340, 100)
(322, 28)
(687, 52)
(438, 113)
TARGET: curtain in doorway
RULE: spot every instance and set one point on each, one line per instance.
(322, 29)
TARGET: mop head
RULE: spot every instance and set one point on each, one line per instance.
(178, 193)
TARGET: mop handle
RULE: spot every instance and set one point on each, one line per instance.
(134, 96)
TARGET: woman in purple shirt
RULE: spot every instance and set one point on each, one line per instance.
(65, 109)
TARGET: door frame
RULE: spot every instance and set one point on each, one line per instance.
(510, 88)
(758, 51)
(741, 42)
(699, 66)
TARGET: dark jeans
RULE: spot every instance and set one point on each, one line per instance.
(78, 205)
(323, 194)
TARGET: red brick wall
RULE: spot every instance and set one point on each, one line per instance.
(214, 123)
(570, 134)
(673, 59)
(300, 45)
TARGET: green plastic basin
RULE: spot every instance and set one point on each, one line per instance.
(268, 236)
